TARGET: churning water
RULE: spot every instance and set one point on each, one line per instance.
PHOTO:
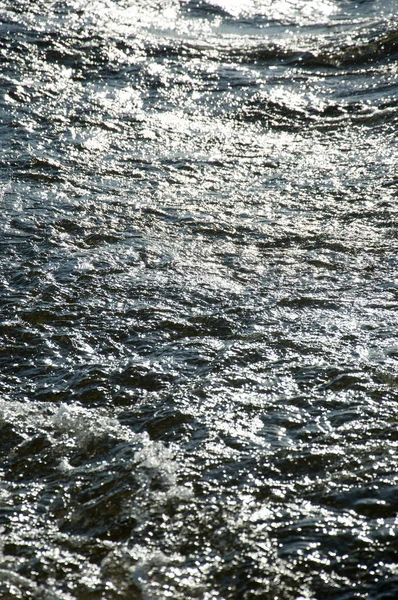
(199, 293)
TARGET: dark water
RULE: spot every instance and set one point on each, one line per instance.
(199, 293)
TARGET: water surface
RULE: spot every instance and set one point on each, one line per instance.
(198, 291)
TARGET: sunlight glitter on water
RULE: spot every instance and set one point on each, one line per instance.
(198, 357)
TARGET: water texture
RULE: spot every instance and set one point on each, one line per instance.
(199, 293)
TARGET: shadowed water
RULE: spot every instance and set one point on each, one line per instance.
(198, 292)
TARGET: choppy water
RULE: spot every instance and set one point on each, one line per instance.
(199, 295)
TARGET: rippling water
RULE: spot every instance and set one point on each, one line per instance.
(199, 293)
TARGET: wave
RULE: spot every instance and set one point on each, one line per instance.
(282, 116)
(313, 53)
